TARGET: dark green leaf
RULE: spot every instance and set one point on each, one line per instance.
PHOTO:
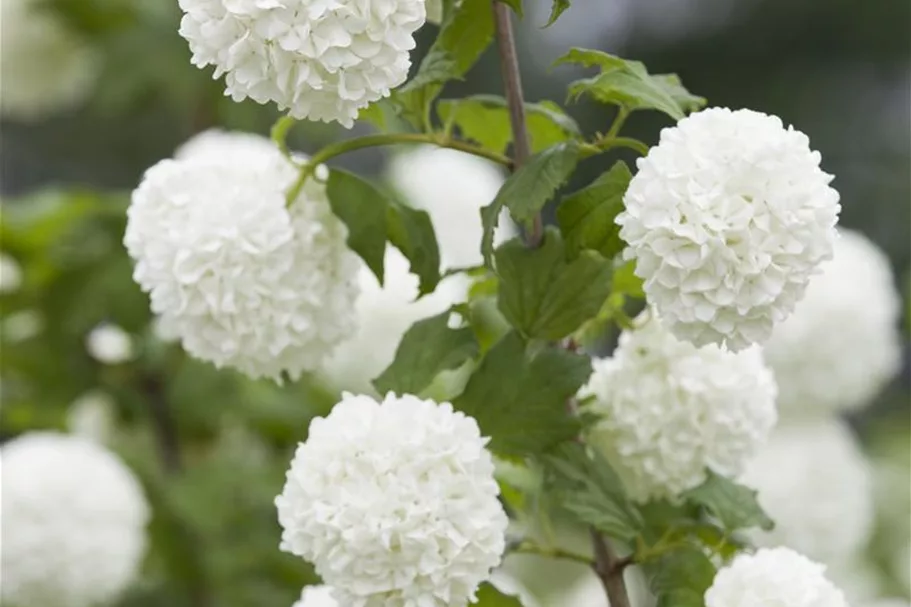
(556, 10)
(519, 397)
(545, 297)
(584, 483)
(681, 578)
(586, 217)
(528, 189)
(489, 596)
(735, 506)
(362, 208)
(411, 232)
(427, 349)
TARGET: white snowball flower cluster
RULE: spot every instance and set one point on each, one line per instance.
(218, 142)
(816, 485)
(73, 522)
(842, 344)
(10, 274)
(670, 410)
(44, 66)
(394, 503)
(316, 596)
(728, 218)
(109, 344)
(776, 577)
(319, 60)
(452, 187)
(243, 281)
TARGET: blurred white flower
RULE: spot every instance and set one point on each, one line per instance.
(728, 218)
(858, 578)
(44, 66)
(109, 344)
(816, 485)
(394, 503)
(74, 520)
(215, 143)
(321, 61)
(244, 281)
(383, 315)
(91, 416)
(842, 344)
(316, 596)
(452, 187)
(588, 591)
(771, 577)
(669, 411)
(10, 274)
(22, 325)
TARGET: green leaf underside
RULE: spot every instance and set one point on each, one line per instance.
(427, 349)
(527, 190)
(556, 10)
(411, 232)
(734, 505)
(628, 84)
(681, 578)
(485, 119)
(519, 398)
(585, 485)
(489, 596)
(586, 217)
(545, 297)
(626, 282)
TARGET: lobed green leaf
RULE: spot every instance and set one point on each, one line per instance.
(586, 218)
(557, 9)
(681, 578)
(734, 505)
(489, 596)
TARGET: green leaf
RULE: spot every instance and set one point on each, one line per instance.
(362, 208)
(411, 232)
(519, 397)
(528, 189)
(626, 282)
(735, 506)
(545, 297)
(628, 84)
(681, 578)
(586, 217)
(556, 10)
(489, 596)
(427, 349)
(584, 483)
(485, 119)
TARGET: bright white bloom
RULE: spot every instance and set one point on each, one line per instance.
(842, 344)
(395, 503)
(10, 274)
(319, 60)
(91, 416)
(73, 522)
(728, 218)
(670, 410)
(816, 485)
(44, 66)
(383, 314)
(773, 577)
(109, 344)
(316, 596)
(244, 281)
(215, 143)
(452, 187)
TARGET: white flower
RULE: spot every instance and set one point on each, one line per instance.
(670, 410)
(244, 281)
(728, 218)
(383, 314)
(316, 596)
(74, 522)
(319, 60)
(91, 416)
(842, 344)
(452, 187)
(109, 344)
(773, 577)
(816, 485)
(21, 326)
(219, 143)
(10, 274)
(394, 503)
(44, 66)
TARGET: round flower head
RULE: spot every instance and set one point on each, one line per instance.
(316, 596)
(727, 219)
(10, 274)
(669, 410)
(109, 344)
(394, 503)
(773, 577)
(219, 143)
(243, 281)
(842, 344)
(452, 187)
(814, 482)
(318, 60)
(73, 523)
(44, 66)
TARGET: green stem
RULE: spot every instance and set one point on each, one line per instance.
(605, 143)
(622, 115)
(280, 133)
(556, 553)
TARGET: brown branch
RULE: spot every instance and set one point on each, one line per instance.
(609, 568)
(512, 80)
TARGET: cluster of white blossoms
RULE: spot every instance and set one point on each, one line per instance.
(669, 410)
(44, 66)
(109, 344)
(728, 218)
(773, 576)
(242, 280)
(842, 344)
(814, 482)
(74, 521)
(394, 503)
(316, 596)
(318, 60)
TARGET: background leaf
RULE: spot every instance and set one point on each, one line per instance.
(681, 577)
(734, 505)
(586, 217)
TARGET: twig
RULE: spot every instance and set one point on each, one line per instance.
(164, 426)
(609, 568)
(557, 553)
